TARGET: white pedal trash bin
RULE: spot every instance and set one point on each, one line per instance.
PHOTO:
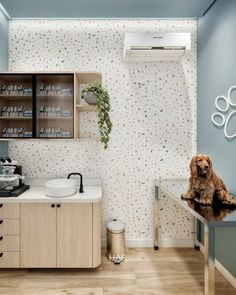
(116, 251)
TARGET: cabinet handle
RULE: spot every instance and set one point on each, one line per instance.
(53, 205)
(1, 254)
(1, 238)
(1, 205)
(1, 221)
(58, 205)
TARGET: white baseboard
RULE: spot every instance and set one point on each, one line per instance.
(165, 243)
(202, 249)
(228, 276)
(176, 243)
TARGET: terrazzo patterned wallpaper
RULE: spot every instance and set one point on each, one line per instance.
(174, 223)
(153, 112)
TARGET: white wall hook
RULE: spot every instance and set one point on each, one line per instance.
(218, 115)
(228, 103)
(226, 125)
(222, 97)
(231, 89)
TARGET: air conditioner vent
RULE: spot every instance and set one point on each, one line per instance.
(146, 47)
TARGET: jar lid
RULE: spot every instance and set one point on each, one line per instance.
(116, 226)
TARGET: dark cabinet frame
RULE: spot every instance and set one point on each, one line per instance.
(34, 102)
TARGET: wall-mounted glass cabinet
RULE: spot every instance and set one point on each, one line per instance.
(16, 105)
(55, 106)
(46, 106)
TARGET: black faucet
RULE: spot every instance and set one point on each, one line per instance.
(81, 188)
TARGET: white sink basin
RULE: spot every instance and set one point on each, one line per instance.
(60, 188)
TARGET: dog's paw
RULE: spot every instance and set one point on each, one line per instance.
(222, 113)
(187, 196)
(205, 201)
(229, 201)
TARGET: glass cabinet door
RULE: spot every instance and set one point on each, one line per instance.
(55, 106)
(16, 104)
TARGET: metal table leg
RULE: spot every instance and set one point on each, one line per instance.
(209, 265)
(196, 232)
(156, 218)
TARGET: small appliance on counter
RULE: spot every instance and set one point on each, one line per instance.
(11, 179)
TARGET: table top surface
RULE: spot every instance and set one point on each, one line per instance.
(214, 215)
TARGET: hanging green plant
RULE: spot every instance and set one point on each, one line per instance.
(94, 93)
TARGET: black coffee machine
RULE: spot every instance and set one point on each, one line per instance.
(11, 184)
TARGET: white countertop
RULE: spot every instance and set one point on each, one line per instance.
(36, 194)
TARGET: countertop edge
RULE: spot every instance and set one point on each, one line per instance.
(49, 200)
(39, 196)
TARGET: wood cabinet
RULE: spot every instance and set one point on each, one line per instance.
(60, 235)
(38, 235)
(97, 243)
(9, 259)
(9, 227)
(9, 235)
(46, 106)
(74, 235)
(9, 210)
(9, 243)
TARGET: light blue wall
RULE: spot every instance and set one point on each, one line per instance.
(3, 42)
(3, 149)
(216, 73)
(3, 64)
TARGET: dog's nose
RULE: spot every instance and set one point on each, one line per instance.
(206, 166)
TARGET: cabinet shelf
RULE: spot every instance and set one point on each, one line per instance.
(15, 95)
(54, 97)
(16, 98)
(83, 139)
(15, 118)
(86, 108)
(54, 118)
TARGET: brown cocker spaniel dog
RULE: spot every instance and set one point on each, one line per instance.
(205, 184)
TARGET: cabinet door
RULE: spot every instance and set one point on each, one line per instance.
(55, 105)
(9, 210)
(16, 103)
(38, 235)
(97, 247)
(74, 235)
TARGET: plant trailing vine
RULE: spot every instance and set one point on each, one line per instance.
(103, 107)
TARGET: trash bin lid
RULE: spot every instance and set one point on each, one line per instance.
(116, 226)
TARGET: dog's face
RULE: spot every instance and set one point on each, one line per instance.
(200, 165)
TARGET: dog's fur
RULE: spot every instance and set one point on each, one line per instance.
(205, 184)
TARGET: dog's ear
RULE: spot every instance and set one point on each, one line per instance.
(193, 166)
(209, 161)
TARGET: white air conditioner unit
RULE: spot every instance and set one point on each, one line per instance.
(155, 46)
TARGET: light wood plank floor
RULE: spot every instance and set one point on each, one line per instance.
(145, 272)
